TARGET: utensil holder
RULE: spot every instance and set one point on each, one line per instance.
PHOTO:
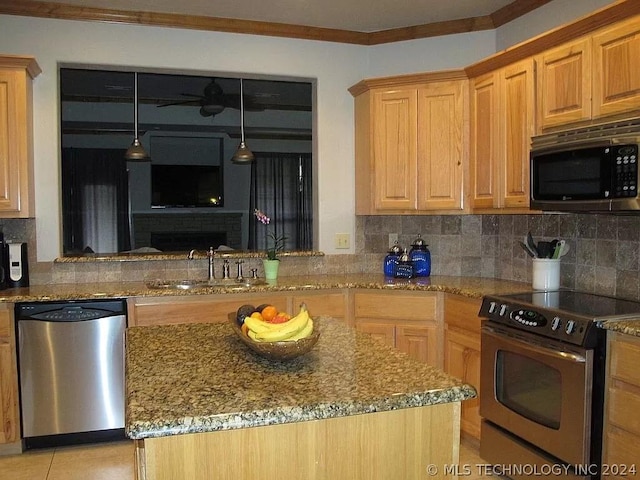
(546, 273)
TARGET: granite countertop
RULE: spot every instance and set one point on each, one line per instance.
(629, 327)
(474, 287)
(193, 378)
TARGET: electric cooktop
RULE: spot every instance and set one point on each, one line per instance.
(566, 315)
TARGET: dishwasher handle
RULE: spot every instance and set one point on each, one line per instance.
(74, 313)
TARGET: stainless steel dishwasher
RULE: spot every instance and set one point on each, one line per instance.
(71, 371)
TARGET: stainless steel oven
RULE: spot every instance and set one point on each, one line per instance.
(542, 381)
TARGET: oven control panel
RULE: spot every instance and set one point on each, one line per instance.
(542, 321)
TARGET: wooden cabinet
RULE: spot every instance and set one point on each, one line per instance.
(616, 87)
(9, 408)
(502, 123)
(564, 84)
(332, 303)
(590, 78)
(405, 320)
(622, 404)
(16, 138)
(410, 146)
(216, 308)
(462, 353)
(197, 308)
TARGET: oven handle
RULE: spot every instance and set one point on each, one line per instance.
(536, 346)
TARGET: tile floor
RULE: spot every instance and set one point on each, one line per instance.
(114, 461)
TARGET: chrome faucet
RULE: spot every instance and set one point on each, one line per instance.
(211, 254)
(225, 269)
(239, 278)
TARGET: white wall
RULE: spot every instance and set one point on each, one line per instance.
(547, 17)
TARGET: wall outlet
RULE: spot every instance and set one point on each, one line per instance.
(393, 238)
(343, 240)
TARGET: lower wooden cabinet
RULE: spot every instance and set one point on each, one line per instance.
(9, 408)
(622, 403)
(405, 320)
(462, 353)
(196, 308)
(216, 308)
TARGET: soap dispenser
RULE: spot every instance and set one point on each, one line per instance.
(391, 260)
(421, 257)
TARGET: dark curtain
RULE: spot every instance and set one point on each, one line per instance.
(95, 200)
(281, 188)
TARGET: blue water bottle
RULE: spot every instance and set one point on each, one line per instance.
(421, 258)
(391, 260)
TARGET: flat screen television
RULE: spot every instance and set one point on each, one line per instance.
(186, 186)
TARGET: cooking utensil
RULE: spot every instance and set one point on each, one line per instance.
(528, 239)
(544, 249)
(557, 249)
(526, 248)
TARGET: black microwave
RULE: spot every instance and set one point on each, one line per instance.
(586, 174)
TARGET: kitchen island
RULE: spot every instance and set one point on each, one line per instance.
(200, 405)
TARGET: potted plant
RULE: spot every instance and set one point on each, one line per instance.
(274, 244)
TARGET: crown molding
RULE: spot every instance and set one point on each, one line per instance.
(34, 8)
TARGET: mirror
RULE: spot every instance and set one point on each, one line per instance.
(188, 194)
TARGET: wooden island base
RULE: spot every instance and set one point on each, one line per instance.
(385, 445)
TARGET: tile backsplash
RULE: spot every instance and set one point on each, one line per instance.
(603, 254)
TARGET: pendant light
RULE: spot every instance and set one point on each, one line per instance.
(136, 152)
(243, 155)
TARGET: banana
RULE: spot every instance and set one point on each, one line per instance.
(257, 325)
(304, 333)
(286, 329)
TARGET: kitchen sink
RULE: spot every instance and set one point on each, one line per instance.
(194, 284)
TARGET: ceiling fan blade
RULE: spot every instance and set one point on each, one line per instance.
(184, 102)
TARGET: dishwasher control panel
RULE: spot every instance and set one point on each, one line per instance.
(71, 311)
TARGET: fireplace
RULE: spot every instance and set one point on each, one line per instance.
(182, 241)
(183, 232)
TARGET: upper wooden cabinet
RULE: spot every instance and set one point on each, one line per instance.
(564, 84)
(502, 123)
(16, 142)
(616, 50)
(410, 145)
(590, 78)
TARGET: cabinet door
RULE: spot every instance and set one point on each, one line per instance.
(440, 146)
(462, 360)
(322, 302)
(394, 149)
(9, 410)
(484, 141)
(16, 189)
(616, 83)
(564, 84)
(384, 332)
(196, 308)
(419, 342)
(517, 104)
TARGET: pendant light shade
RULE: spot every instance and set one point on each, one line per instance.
(243, 155)
(136, 152)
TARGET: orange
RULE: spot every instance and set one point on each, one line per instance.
(269, 312)
(257, 315)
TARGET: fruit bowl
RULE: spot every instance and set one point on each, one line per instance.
(277, 350)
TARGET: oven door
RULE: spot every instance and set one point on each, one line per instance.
(538, 390)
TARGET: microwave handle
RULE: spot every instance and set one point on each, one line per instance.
(535, 346)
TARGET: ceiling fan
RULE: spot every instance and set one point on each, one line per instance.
(214, 100)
